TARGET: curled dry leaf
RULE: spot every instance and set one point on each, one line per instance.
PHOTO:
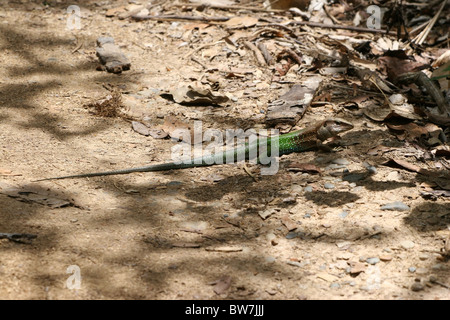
(188, 95)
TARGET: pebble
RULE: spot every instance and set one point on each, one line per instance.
(269, 259)
(412, 269)
(328, 185)
(371, 169)
(344, 245)
(407, 244)
(340, 161)
(396, 205)
(373, 260)
(417, 286)
(423, 256)
(308, 189)
(386, 257)
(343, 214)
(335, 285)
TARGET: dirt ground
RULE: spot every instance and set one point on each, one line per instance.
(194, 233)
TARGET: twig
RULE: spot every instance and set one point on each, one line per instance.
(330, 16)
(195, 60)
(176, 18)
(258, 53)
(202, 47)
(224, 7)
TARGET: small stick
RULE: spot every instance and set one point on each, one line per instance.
(225, 7)
(265, 53)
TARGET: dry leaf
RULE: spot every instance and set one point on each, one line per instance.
(395, 67)
(189, 95)
(303, 167)
(222, 284)
(288, 223)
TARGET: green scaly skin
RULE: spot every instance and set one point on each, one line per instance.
(296, 141)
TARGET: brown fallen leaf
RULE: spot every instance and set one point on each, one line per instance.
(288, 223)
(185, 245)
(413, 131)
(190, 95)
(402, 164)
(397, 163)
(396, 66)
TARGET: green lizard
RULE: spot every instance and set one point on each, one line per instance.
(295, 141)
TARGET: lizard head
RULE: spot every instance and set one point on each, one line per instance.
(332, 127)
